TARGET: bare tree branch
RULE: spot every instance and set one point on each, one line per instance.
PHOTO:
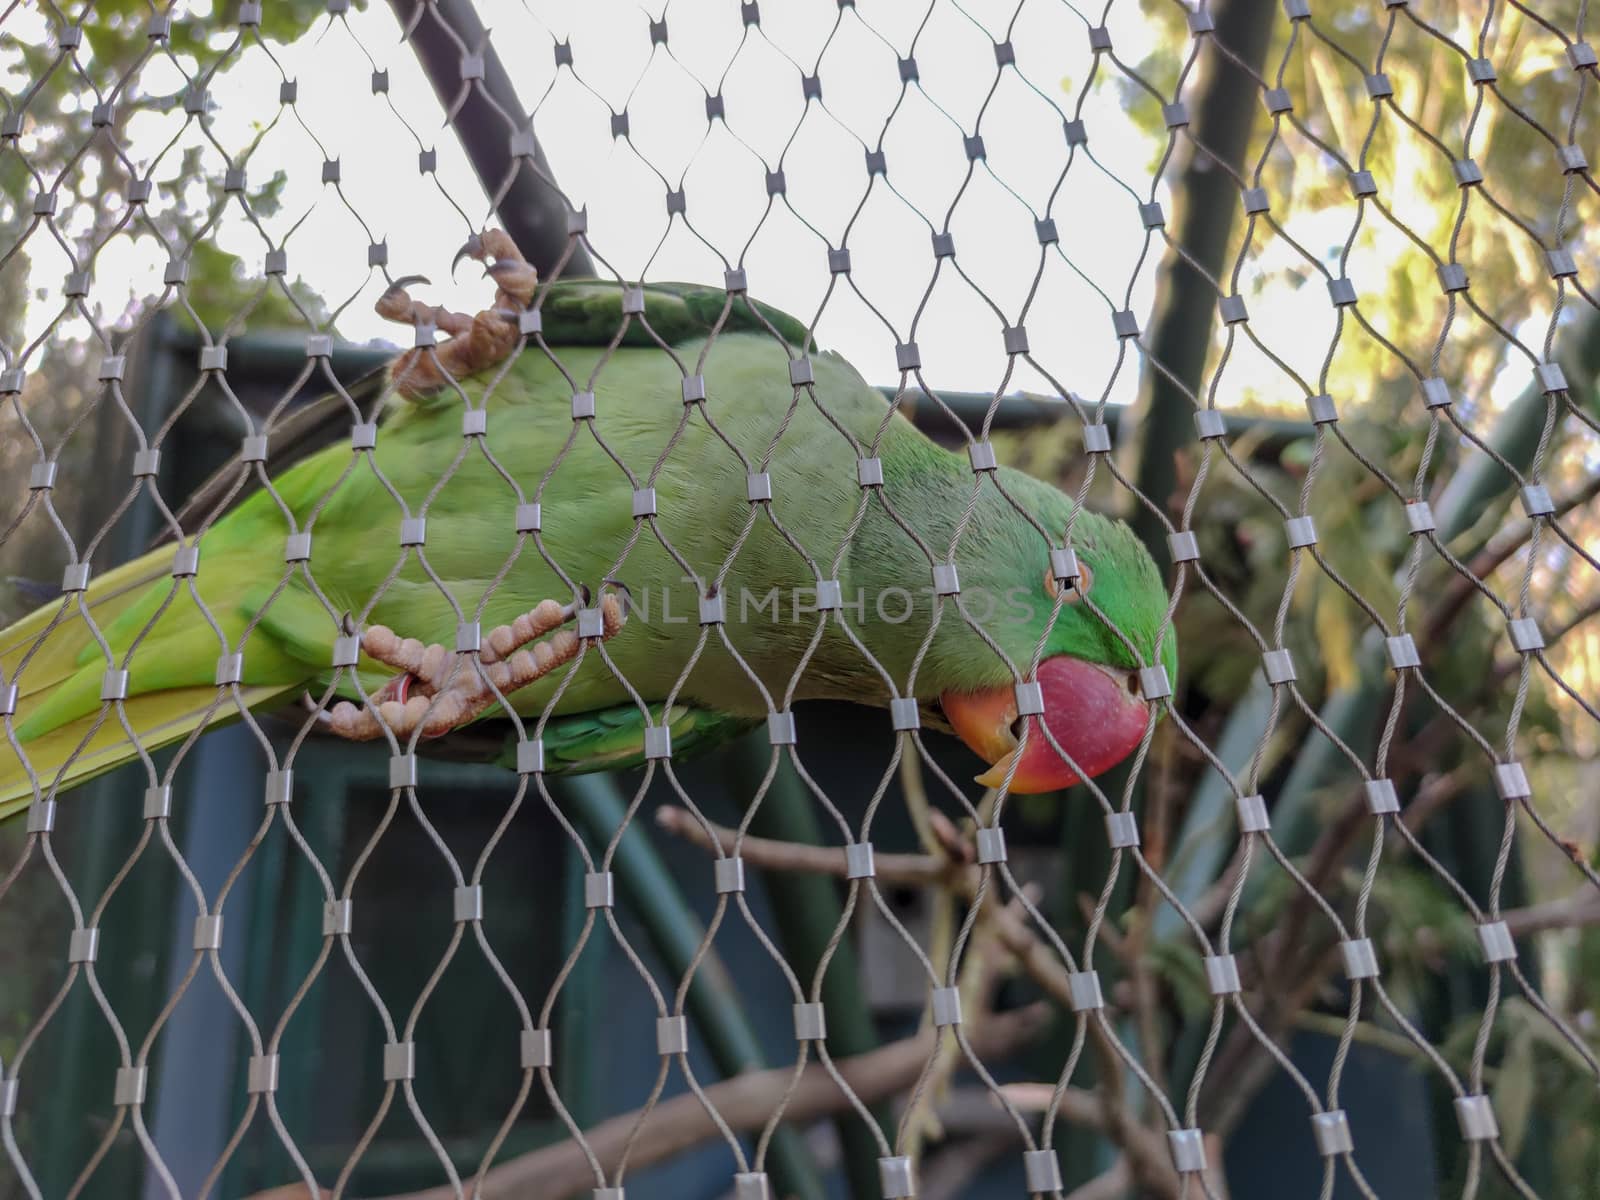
(1459, 589)
(1580, 908)
(746, 1102)
(1145, 1147)
(1112, 1185)
(1011, 929)
(915, 869)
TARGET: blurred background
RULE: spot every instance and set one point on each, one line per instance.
(1069, 134)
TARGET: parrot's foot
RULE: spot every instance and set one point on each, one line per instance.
(436, 694)
(475, 344)
(515, 278)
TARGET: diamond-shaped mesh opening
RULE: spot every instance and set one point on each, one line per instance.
(1195, 400)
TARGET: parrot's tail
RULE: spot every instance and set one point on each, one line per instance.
(63, 732)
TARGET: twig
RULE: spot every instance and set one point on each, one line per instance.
(1580, 908)
(1510, 665)
(942, 841)
(746, 1102)
(1460, 589)
(1366, 1032)
(1588, 611)
(1436, 793)
(1114, 940)
(973, 1111)
(1241, 1061)
(1031, 953)
(1213, 902)
(917, 805)
(1146, 1148)
(915, 869)
(1112, 1185)
(1146, 999)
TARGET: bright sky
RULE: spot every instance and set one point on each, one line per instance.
(722, 175)
(722, 170)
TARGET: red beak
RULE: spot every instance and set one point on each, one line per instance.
(1093, 712)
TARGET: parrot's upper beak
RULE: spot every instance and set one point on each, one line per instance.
(1094, 713)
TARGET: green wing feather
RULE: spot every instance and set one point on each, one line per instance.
(587, 312)
(612, 739)
(575, 312)
(171, 690)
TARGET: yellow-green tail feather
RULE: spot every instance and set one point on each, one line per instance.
(160, 718)
(57, 666)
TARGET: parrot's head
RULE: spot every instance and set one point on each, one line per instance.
(1095, 638)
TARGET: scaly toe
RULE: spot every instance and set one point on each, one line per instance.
(396, 303)
(497, 244)
(516, 281)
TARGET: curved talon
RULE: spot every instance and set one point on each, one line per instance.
(472, 249)
(396, 304)
(476, 344)
(515, 277)
(627, 594)
(405, 281)
(318, 713)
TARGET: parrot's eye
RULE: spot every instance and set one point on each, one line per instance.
(1052, 585)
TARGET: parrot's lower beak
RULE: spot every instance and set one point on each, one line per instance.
(1094, 713)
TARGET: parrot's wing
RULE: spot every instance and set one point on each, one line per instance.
(613, 738)
(575, 312)
(298, 434)
(588, 312)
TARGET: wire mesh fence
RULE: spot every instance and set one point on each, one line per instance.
(1342, 752)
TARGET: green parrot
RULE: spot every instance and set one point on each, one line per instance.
(594, 617)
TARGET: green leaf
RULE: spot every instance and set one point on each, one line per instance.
(1177, 964)
(1514, 1091)
(1531, 1022)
